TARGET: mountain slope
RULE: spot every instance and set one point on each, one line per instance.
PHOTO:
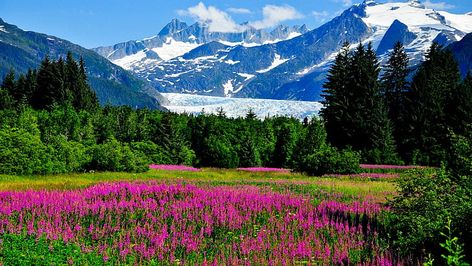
(21, 50)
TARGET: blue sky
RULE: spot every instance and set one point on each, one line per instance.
(93, 23)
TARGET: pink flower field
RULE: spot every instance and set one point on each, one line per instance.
(171, 167)
(366, 175)
(264, 169)
(140, 223)
(380, 166)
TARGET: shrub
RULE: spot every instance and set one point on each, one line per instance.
(68, 156)
(221, 154)
(153, 152)
(22, 153)
(328, 160)
(427, 199)
(115, 156)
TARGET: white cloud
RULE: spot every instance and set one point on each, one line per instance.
(216, 19)
(220, 21)
(438, 5)
(236, 10)
(273, 15)
(321, 16)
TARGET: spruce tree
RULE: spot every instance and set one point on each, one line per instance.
(313, 139)
(429, 107)
(9, 83)
(337, 97)
(88, 99)
(460, 107)
(394, 86)
(30, 86)
(48, 86)
(354, 111)
(6, 100)
(375, 130)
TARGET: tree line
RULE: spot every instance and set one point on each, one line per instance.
(51, 122)
(370, 115)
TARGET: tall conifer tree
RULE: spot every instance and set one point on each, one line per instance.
(337, 97)
(429, 107)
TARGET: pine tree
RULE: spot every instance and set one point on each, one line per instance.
(48, 86)
(337, 97)
(460, 107)
(375, 131)
(9, 83)
(250, 115)
(30, 86)
(284, 146)
(354, 111)
(6, 100)
(87, 98)
(429, 106)
(312, 140)
(395, 84)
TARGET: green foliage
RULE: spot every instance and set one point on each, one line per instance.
(460, 156)
(312, 139)
(22, 153)
(328, 160)
(220, 153)
(115, 156)
(154, 153)
(28, 250)
(6, 100)
(454, 249)
(68, 156)
(426, 201)
(285, 145)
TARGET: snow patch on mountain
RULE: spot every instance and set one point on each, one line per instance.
(246, 75)
(228, 87)
(231, 62)
(172, 49)
(277, 62)
(239, 107)
(460, 22)
(129, 61)
(2, 29)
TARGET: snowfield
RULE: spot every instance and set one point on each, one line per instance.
(237, 107)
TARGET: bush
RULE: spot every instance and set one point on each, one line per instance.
(221, 154)
(328, 160)
(426, 201)
(22, 153)
(115, 156)
(153, 152)
(68, 156)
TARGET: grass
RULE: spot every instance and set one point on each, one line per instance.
(297, 183)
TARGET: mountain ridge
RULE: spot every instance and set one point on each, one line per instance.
(21, 50)
(294, 69)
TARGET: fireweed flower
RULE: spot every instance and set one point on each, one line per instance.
(231, 225)
(264, 169)
(170, 167)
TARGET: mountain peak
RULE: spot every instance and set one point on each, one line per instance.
(173, 26)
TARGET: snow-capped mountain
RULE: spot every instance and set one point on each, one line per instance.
(177, 38)
(289, 69)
